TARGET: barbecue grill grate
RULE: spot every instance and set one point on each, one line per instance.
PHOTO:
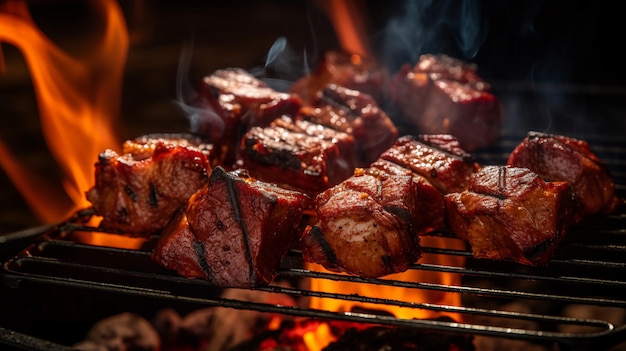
(589, 269)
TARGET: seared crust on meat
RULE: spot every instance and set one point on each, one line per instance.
(511, 213)
(561, 158)
(357, 114)
(429, 208)
(138, 192)
(364, 226)
(231, 101)
(298, 154)
(234, 232)
(439, 158)
(444, 95)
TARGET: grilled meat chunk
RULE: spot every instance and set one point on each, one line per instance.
(356, 114)
(561, 158)
(137, 192)
(234, 232)
(352, 71)
(364, 226)
(231, 101)
(444, 95)
(429, 208)
(439, 158)
(298, 154)
(510, 213)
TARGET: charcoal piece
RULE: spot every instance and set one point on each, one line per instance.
(400, 339)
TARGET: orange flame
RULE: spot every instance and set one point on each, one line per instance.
(320, 337)
(347, 19)
(399, 293)
(78, 100)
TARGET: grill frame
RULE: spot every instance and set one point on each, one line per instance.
(52, 255)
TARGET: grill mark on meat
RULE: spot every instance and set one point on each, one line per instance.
(153, 197)
(316, 233)
(327, 99)
(467, 158)
(501, 184)
(198, 247)
(233, 196)
(387, 261)
(129, 191)
(561, 144)
(122, 214)
(501, 179)
(539, 249)
(498, 193)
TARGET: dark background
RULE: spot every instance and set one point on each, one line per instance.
(556, 65)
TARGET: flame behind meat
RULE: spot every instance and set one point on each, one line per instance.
(78, 100)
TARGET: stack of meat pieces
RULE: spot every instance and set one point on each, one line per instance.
(518, 212)
(369, 225)
(521, 211)
(231, 101)
(277, 140)
(438, 94)
(228, 211)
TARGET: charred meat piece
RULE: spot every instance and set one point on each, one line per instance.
(561, 158)
(429, 208)
(234, 232)
(510, 213)
(231, 101)
(439, 158)
(364, 227)
(299, 155)
(357, 114)
(444, 95)
(349, 70)
(345, 143)
(136, 193)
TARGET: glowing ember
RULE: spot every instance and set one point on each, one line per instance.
(78, 100)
